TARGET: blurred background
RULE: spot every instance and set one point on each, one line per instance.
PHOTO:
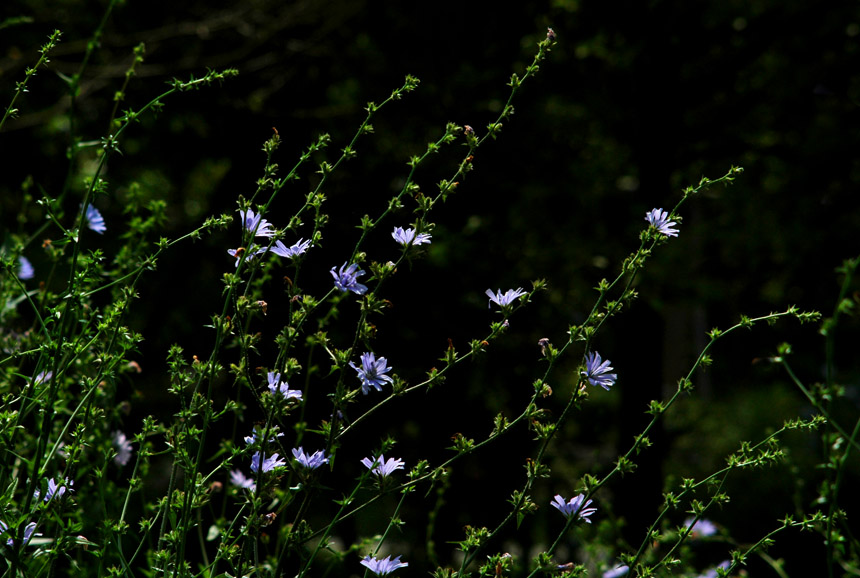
(635, 102)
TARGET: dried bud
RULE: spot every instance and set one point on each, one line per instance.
(550, 34)
(268, 519)
(543, 342)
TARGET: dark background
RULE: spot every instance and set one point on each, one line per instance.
(635, 102)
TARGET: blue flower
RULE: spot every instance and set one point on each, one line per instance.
(408, 237)
(278, 249)
(574, 507)
(123, 448)
(253, 437)
(503, 299)
(28, 532)
(597, 371)
(372, 372)
(95, 220)
(384, 566)
(383, 468)
(616, 572)
(310, 461)
(291, 252)
(238, 254)
(252, 252)
(55, 489)
(25, 268)
(269, 463)
(282, 387)
(701, 529)
(43, 376)
(237, 478)
(659, 219)
(346, 279)
(256, 224)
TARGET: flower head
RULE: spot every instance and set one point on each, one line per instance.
(256, 224)
(237, 253)
(384, 566)
(701, 529)
(383, 468)
(28, 532)
(659, 219)
(42, 377)
(291, 252)
(55, 489)
(237, 478)
(574, 506)
(253, 437)
(408, 237)
(597, 371)
(346, 279)
(282, 387)
(95, 221)
(269, 463)
(310, 461)
(543, 343)
(372, 372)
(123, 448)
(25, 268)
(616, 572)
(503, 299)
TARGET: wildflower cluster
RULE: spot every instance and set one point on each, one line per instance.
(112, 492)
(259, 227)
(282, 388)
